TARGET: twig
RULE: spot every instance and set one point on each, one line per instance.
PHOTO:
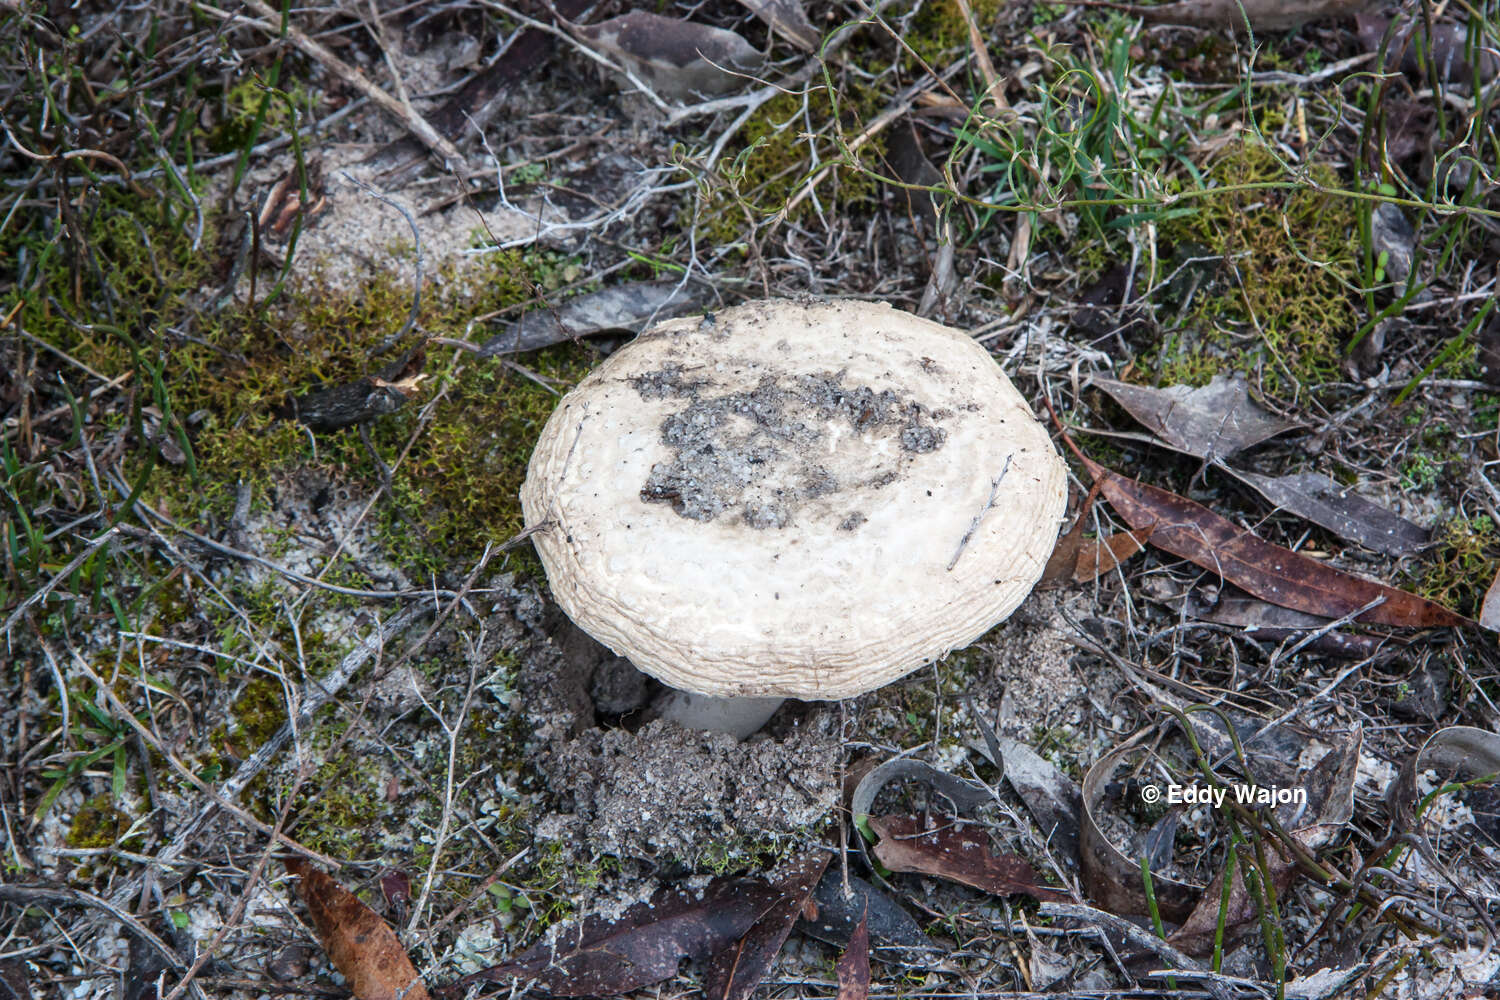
(418, 126)
(30, 895)
(988, 506)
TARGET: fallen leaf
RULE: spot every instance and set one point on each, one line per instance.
(1267, 622)
(963, 794)
(676, 58)
(889, 926)
(958, 854)
(1063, 562)
(735, 972)
(1392, 236)
(1314, 497)
(1104, 555)
(644, 945)
(474, 104)
(1051, 796)
(361, 946)
(1329, 786)
(910, 164)
(1263, 15)
(1111, 878)
(787, 19)
(1215, 420)
(1489, 611)
(854, 966)
(630, 307)
(1286, 578)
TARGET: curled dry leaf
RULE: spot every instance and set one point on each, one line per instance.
(676, 58)
(644, 945)
(361, 946)
(963, 794)
(1051, 796)
(1109, 877)
(284, 204)
(1316, 498)
(1275, 574)
(1489, 611)
(957, 853)
(1456, 753)
(1215, 420)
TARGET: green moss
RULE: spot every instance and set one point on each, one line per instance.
(1280, 305)
(1462, 564)
(98, 823)
(773, 157)
(259, 711)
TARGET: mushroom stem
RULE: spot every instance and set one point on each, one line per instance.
(739, 717)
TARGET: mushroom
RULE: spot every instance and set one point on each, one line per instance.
(791, 499)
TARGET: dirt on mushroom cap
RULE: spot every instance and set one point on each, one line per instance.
(793, 498)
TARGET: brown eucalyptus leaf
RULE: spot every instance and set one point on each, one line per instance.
(644, 945)
(1099, 556)
(1051, 796)
(1286, 578)
(361, 946)
(787, 19)
(1215, 420)
(676, 58)
(1316, 498)
(1063, 562)
(735, 972)
(854, 966)
(1265, 621)
(957, 853)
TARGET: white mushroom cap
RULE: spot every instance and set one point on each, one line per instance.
(804, 499)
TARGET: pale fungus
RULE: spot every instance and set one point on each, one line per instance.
(801, 499)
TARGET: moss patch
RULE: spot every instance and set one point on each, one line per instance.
(1280, 304)
(1462, 564)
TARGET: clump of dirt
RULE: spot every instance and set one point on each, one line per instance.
(747, 450)
(666, 792)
